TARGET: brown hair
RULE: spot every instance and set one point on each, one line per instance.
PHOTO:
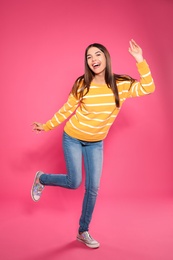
(82, 83)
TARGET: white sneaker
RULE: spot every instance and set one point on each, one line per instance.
(85, 238)
(37, 187)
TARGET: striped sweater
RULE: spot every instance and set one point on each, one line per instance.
(92, 119)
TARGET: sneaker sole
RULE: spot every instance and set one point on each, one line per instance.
(89, 245)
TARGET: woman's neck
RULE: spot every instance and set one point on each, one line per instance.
(99, 79)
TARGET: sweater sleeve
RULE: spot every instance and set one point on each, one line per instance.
(144, 86)
(63, 113)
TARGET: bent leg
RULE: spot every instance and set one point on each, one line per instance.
(73, 158)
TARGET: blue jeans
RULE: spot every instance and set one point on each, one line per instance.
(93, 159)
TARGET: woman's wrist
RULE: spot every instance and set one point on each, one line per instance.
(139, 59)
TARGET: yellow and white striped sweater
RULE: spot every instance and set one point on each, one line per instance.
(95, 115)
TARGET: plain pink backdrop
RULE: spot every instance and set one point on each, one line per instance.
(42, 53)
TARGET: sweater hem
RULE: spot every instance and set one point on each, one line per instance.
(82, 137)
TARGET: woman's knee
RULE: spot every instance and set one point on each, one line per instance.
(75, 184)
(93, 190)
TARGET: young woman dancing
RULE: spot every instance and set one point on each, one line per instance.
(92, 106)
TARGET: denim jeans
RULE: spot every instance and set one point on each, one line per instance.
(92, 153)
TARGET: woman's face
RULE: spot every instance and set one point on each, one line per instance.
(96, 60)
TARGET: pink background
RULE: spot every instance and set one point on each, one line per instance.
(42, 53)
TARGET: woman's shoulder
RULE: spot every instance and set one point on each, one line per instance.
(123, 79)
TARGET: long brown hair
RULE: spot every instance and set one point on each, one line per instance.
(82, 83)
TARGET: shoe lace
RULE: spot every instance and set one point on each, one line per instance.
(87, 236)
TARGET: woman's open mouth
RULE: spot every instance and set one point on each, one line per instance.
(96, 65)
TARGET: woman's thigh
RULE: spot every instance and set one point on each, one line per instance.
(93, 160)
(73, 157)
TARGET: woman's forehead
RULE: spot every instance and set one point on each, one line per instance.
(93, 50)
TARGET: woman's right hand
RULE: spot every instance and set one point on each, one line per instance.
(37, 127)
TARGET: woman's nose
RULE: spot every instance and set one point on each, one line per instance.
(93, 58)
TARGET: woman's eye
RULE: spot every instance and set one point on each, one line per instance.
(98, 55)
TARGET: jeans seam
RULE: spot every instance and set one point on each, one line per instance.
(87, 188)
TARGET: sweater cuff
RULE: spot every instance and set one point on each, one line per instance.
(141, 64)
(46, 128)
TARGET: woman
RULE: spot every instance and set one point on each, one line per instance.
(95, 99)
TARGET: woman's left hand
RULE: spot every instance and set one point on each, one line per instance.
(136, 51)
